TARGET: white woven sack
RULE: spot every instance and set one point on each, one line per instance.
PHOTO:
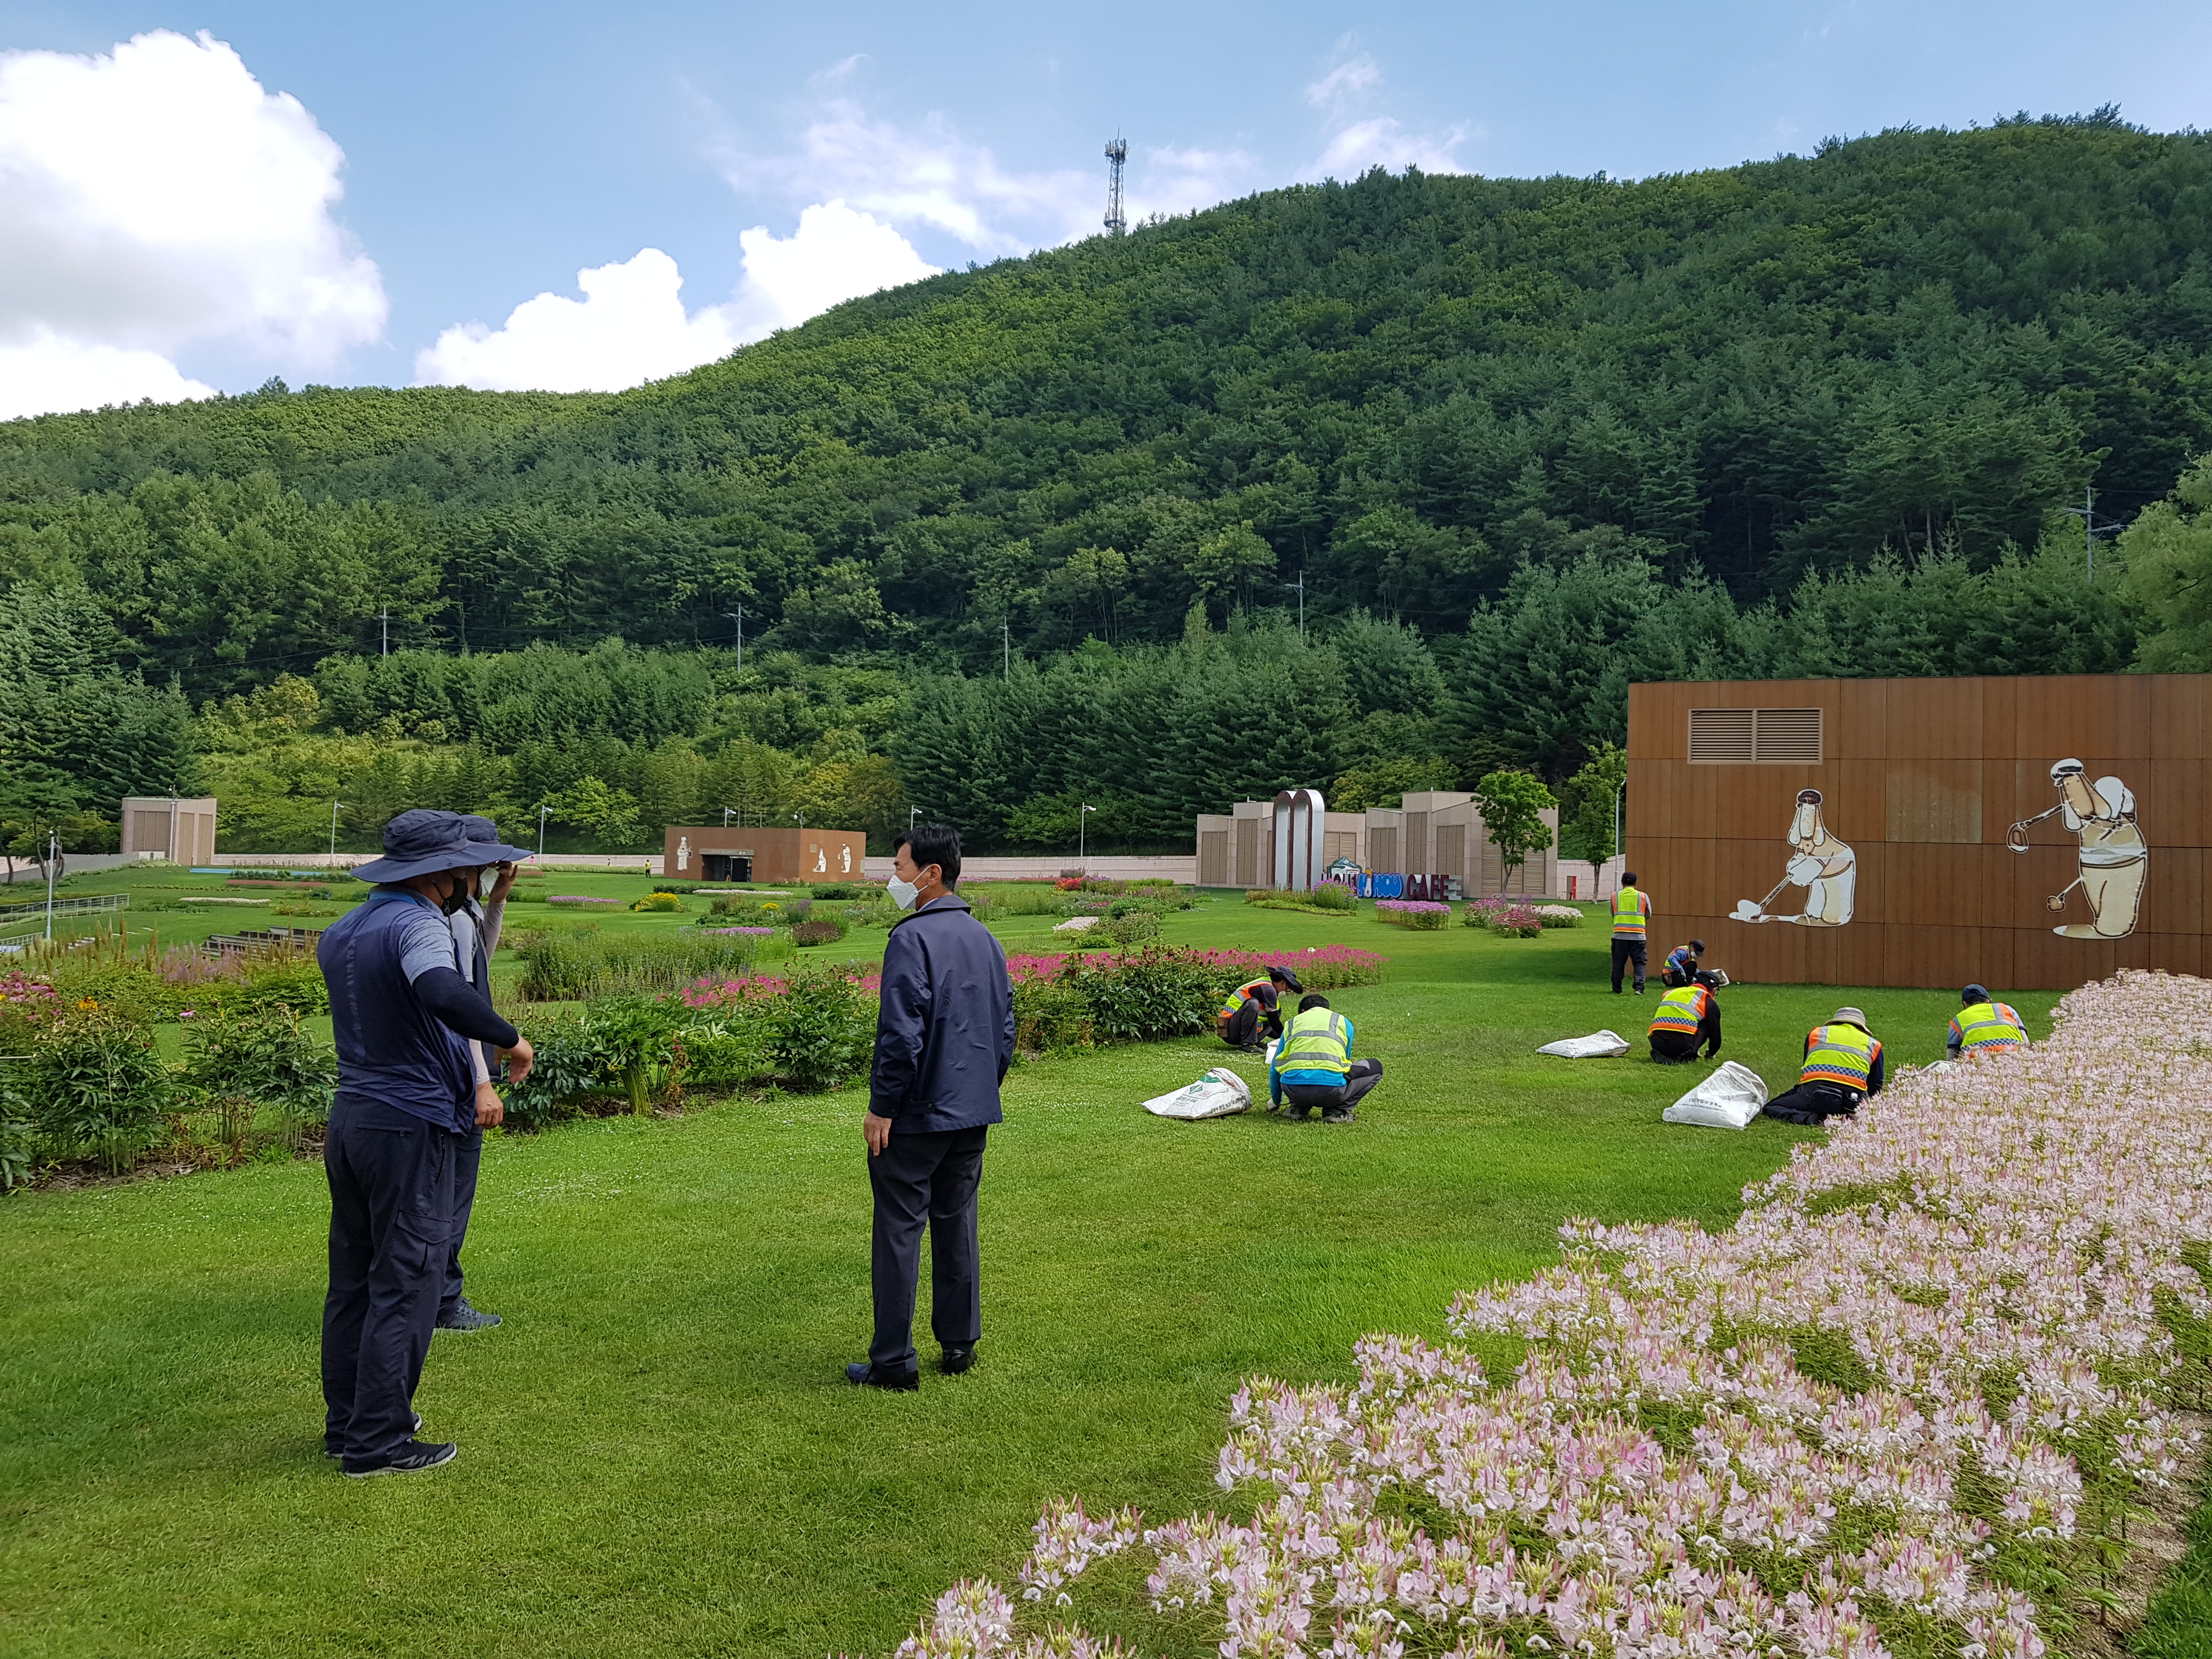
(1599, 1045)
(1219, 1093)
(1729, 1099)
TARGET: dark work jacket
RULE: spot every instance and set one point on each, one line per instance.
(945, 1034)
(391, 1047)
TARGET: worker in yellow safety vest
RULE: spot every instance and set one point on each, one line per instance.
(1983, 1025)
(1842, 1066)
(1688, 1015)
(1313, 1065)
(1632, 925)
(1251, 1011)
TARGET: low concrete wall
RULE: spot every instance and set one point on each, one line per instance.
(74, 864)
(649, 862)
(1181, 868)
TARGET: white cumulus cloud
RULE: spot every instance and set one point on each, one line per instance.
(631, 325)
(1357, 142)
(154, 197)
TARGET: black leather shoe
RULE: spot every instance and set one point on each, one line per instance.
(864, 1372)
(957, 1359)
(412, 1458)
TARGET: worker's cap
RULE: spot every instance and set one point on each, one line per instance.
(1808, 797)
(1848, 1016)
(2062, 770)
(1286, 977)
(419, 843)
(483, 837)
(1975, 993)
(1707, 977)
(1697, 945)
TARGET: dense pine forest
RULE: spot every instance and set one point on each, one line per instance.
(1372, 486)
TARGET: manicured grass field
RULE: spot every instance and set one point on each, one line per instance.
(658, 1453)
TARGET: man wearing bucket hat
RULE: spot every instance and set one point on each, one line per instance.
(1842, 1066)
(476, 936)
(403, 1017)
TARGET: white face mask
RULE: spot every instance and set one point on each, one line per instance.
(903, 893)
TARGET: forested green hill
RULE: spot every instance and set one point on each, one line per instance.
(1788, 415)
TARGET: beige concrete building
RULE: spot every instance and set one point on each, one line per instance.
(1431, 832)
(179, 830)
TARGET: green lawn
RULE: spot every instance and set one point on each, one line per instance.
(658, 1453)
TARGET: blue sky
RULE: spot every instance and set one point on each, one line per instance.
(492, 151)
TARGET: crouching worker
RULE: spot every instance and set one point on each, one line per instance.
(1687, 1016)
(1252, 1013)
(1314, 1064)
(1983, 1026)
(1842, 1066)
(1680, 967)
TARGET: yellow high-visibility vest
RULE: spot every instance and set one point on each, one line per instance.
(1628, 912)
(1985, 1026)
(1315, 1041)
(1840, 1053)
(1682, 1009)
(1243, 994)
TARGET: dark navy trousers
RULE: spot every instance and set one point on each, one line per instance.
(929, 1178)
(468, 1155)
(392, 1204)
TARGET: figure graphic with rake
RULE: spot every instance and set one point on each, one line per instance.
(2114, 859)
(1819, 863)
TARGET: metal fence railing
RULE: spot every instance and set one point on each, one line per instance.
(14, 915)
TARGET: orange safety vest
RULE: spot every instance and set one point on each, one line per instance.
(1241, 995)
(1841, 1055)
(1682, 1009)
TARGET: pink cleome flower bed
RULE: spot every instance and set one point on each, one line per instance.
(1901, 1406)
(1411, 913)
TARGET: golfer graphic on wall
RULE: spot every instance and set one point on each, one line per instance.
(1819, 863)
(2114, 859)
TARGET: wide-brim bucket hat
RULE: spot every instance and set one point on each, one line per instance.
(1848, 1016)
(419, 843)
(483, 837)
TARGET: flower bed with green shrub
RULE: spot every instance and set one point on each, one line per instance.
(1514, 918)
(579, 965)
(1419, 913)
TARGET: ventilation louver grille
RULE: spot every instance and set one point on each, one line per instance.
(1773, 737)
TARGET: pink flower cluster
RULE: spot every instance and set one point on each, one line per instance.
(1340, 964)
(579, 898)
(1973, 1274)
(1412, 907)
(751, 988)
(19, 987)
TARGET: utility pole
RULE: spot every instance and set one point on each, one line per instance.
(334, 829)
(1082, 825)
(1301, 585)
(739, 617)
(2091, 526)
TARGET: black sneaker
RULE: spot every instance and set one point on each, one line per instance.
(462, 1317)
(957, 1359)
(411, 1458)
(329, 1449)
(864, 1373)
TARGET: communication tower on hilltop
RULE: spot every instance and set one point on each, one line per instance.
(1117, 152)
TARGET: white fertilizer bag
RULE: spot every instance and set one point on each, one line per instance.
(1729, 1099)
(1599, 1045)
(1219, 1093)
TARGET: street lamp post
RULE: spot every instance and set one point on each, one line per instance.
(912, 813)
(334, 829)
(1081, 824)
(727, 811)
(1617, 788)
(53, 852)
(543, 813)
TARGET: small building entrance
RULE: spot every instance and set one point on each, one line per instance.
(726, 866)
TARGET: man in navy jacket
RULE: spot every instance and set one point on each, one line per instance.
(944, 1039)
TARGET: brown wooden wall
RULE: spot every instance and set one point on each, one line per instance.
(1922, 778)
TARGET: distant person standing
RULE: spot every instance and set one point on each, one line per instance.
(1632, 925)
(476, 935)
(944, 1036)
(403, 1017)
